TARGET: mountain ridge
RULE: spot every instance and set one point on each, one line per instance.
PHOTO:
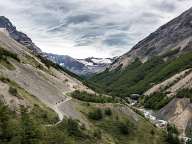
(83, 67)
(20, 37)
(174, 35)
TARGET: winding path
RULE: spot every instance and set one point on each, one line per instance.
(58, 111)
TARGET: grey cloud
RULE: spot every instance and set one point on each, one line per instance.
(112, 24)
(120, 39)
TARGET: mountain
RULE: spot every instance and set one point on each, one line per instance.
(79, 67)
(171, 39)
(17, 35)
(83, 67)
(42, 102)
(159, 70)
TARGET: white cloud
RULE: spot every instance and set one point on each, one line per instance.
(82, 28)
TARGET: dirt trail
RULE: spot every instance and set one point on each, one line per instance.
(58, 111)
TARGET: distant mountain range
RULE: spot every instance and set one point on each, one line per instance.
(88, 66)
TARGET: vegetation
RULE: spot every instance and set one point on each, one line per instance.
(125, 127)
(155, 101)
(138, 77)
(172, 135)
(28, 129)
(88, 97)
(39, 111)
(185, 93)
(97, 114)
(108, 112)
(16, 130)
(44, 115)
(13, 91)
(4, 55)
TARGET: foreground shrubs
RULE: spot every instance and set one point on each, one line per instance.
(108, 112)
(97, 114)
(172, 135)
(88, 97)
(124, 127)
(23, 130)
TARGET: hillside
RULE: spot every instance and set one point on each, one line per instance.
(38, 105)
(173, 38)
(158, 70)
(17, 35)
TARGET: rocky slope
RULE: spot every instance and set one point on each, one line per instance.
(171, 39)
(30, 73)
(17, 35)
(35, 83)
(27, 81)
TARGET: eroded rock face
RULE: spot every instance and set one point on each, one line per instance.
(178, 112)
(176, 34)
(18, 36)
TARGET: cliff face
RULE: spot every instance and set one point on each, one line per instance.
(17, 35)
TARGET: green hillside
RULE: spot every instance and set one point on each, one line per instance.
(138, 77)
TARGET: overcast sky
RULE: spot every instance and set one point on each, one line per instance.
(84, 28)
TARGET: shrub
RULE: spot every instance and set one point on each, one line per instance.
(13, 91)
(4, 54)
(88, 97)
(172, 135)
(108, 112)
(73, 127)
(124, 127)
(184, 93)
(156, 100)
(96, 114)
(97, 133)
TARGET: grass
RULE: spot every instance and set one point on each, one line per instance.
(39, 110)
(140, 131)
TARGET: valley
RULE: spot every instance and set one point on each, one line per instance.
(141, 97)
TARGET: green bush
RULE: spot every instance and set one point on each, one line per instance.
(185, 93)
(13, 91)
(156, 100)
(172, 135)
(96, 114)
(108, 112)
(88, 97)
(73, 127)
(124, 127)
